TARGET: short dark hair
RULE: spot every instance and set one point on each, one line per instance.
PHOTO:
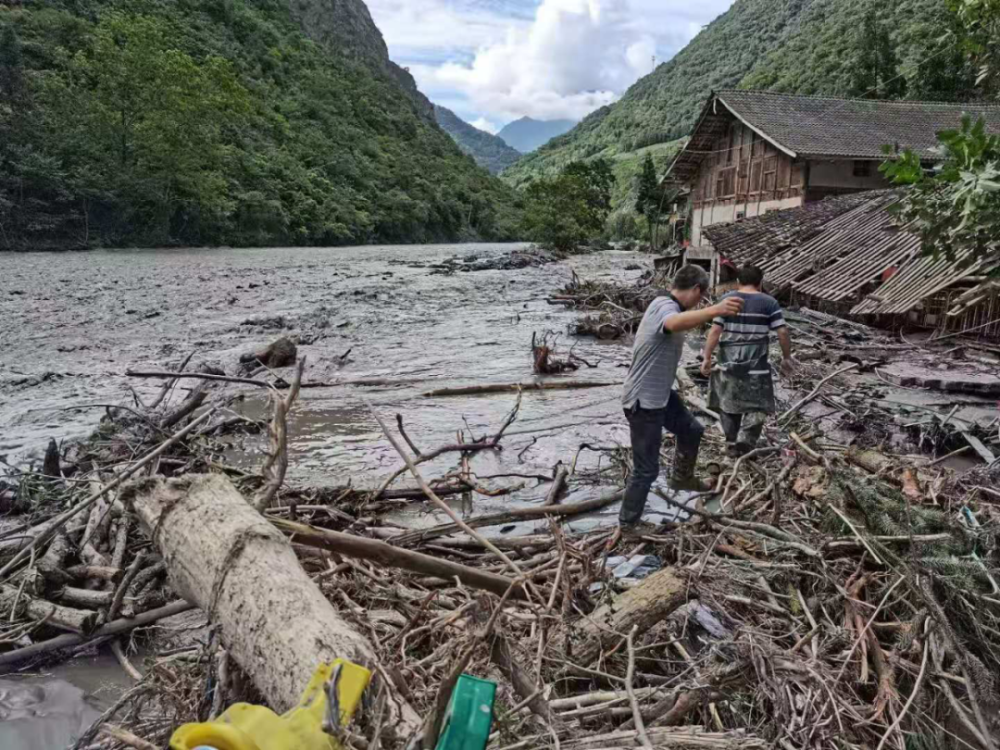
(750, 276)
(691, 276)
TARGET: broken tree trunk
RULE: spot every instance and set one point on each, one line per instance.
(643, 606)
(225, 557)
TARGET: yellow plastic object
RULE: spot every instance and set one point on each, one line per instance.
(247, 727)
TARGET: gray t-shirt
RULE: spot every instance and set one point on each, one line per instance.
(655, 357)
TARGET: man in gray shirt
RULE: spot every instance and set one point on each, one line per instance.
(649, 400)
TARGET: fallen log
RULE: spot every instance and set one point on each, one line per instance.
(390, 556)
(14, 601)
(230, 561)
(511, 516)
(116, 627)
(642, 606)
(546, 385)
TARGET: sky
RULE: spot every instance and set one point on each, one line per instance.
(493, 61)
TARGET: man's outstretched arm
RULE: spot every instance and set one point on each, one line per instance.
(713, 341)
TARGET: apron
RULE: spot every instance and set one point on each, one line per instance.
(741, 380)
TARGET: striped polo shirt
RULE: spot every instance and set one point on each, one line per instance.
(655, 356)
(746, 336)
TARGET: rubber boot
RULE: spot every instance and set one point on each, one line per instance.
(682, 477)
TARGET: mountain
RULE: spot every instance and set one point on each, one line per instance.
(203, 122)
(527, 134)
(796, 46)
(489, 151)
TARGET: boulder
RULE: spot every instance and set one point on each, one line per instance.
(279, 353)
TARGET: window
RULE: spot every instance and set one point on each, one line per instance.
(862, 169)
(770, 173)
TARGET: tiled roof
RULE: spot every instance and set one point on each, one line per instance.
(821, 128)
(851, 128)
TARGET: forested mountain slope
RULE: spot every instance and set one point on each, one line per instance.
(489, 151)
(799, 46)
(223, 122)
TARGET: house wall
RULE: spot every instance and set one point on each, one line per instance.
(841, 174)
(744, 176)
(722, 213)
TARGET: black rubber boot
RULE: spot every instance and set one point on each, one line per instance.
(682, 477)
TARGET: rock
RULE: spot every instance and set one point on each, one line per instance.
(50, 467)
(280, 353)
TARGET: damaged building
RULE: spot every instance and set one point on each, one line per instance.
(792, 184)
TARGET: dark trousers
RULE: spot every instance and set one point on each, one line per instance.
(751, 424)
(646, 426)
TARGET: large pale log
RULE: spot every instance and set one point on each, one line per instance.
(644, 605)
(225, 557)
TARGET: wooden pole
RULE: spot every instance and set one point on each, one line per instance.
(390, 556)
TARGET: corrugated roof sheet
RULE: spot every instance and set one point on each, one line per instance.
(759, 238)
(849, 246)
(916, 281)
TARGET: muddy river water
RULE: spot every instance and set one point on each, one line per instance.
(71, 324)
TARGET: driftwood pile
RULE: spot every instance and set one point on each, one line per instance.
(829, 596)
(614, 309)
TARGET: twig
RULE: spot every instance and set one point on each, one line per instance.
(277, 462)
(815, 391)
(640, 727)
(126, 738)
(116, 649)
(434, 498)
(913, 695)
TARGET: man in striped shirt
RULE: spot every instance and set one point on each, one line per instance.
(741, 388)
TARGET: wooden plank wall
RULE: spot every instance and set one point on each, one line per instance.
(746, 168)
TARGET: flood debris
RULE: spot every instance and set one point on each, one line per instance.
(616, 308)
(833, 593)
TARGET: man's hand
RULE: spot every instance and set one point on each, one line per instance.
(729, 306)
(787, 366)
(706, 368)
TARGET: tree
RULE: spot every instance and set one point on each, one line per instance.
(566, 210)
(152, 122)
(875, 66)
(649, 196)
(11, 65)
(957, 206)
(979, 38)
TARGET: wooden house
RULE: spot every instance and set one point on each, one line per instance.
(754, 152)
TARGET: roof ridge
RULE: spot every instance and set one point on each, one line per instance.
(819, 97)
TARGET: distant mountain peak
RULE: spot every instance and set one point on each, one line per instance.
(489, 151)
(528, 134)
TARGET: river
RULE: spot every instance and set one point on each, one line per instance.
(71, 324)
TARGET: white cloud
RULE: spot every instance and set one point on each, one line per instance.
(483, 124)
(546, 59)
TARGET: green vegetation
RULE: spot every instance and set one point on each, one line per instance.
(489, 151)
(567, 210)
(145, 122)
(875, 68)
(795, 46)
(957, 207)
